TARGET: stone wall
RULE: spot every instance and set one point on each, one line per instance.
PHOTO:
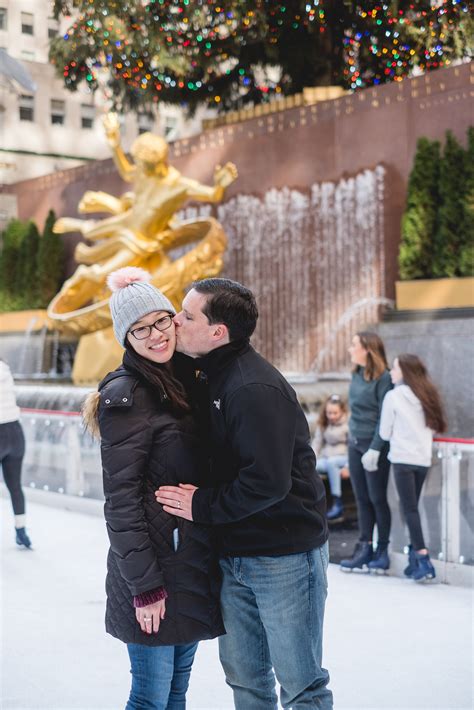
(446, 346)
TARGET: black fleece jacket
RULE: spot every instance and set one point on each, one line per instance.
(266, 497)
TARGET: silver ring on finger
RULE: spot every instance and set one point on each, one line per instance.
(178, 504)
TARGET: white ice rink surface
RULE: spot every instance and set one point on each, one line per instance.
(388, 642)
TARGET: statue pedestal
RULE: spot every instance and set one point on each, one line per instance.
(97, 354)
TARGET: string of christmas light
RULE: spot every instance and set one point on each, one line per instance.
(224, 53)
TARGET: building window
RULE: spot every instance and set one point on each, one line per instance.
(58, 110)
(53, 28)
(27, 23)
(3, 18)
(171, 125)
(145, 122)
(87, 116)
(27, 108)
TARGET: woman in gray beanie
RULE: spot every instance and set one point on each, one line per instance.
(162, 574)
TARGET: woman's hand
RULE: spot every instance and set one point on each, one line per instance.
(370, 460)
(149, 617)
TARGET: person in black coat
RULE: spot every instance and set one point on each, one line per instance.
(162, 574)
(265, 501)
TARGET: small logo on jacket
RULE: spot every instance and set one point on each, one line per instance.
(217, 403)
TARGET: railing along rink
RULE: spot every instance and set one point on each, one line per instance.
(62, 457)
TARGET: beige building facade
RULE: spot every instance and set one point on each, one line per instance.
(53, 129)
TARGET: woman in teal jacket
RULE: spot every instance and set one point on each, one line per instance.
(368, 463)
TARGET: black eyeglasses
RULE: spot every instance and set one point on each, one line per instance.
(144, 331)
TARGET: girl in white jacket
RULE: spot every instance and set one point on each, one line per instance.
(411, 413)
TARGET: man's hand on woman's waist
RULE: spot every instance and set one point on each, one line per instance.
(177, 500)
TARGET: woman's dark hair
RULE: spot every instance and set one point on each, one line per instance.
(376, 359)
(229, 303)
(415, 375)
(161, 378)
(323, 421)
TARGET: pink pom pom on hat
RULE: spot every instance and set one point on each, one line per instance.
(126, 276)
(133, 296)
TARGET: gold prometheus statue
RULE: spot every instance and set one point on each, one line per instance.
(141, 230)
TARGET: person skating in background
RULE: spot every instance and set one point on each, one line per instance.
(12, 451)
(162, 575)
(368, 463)
(410, 414)
(330, 447)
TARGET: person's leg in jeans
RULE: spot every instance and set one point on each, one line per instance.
(322, 464)
(183, 662)
(243, 650)
(377, 483)
(153, 676)
(334, 465)
(152, 672)
(292, 612)
(409, 482)
(365, 508)
(288, 594)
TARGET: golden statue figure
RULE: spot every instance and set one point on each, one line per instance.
(141, 230)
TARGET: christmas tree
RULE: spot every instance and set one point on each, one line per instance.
(225, 54)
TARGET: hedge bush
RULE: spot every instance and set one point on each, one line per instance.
(31, 265)
(438, 222)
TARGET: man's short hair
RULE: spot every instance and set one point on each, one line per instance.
(230, 303)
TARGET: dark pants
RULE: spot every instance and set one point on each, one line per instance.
(409, 481)
(370, 490)
(12, 450)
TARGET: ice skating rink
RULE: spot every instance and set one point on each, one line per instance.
(389, 644)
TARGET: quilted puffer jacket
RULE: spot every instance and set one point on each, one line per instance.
(143, 446)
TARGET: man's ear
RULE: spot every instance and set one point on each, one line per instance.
(221, 332)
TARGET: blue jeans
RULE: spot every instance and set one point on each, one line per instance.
(332, 466)
(273, 609)
(160, 676)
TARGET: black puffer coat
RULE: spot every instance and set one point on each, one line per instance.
(143, 446)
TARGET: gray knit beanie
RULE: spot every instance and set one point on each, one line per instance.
(132, 298)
